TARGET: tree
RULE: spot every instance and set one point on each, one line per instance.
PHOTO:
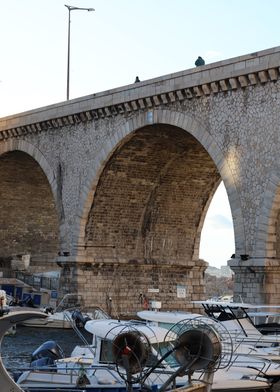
(218, 286)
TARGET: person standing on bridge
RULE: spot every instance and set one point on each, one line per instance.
(199, 61)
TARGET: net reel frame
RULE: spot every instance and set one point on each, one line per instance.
(200, 327)
(131, 349)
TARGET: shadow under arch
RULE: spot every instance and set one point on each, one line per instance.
(29, 215)
(122, 134)
(24, 146)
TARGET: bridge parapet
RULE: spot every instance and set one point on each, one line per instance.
(236, 73)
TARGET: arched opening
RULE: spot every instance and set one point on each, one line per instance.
(217, 246)
(151, 199)
(29, 222)
(217, 237)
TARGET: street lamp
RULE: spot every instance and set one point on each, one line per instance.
(71, 8)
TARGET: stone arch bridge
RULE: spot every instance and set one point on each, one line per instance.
(113, 188)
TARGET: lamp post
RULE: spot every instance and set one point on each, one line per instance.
(71, 8)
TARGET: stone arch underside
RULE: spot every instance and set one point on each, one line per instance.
(271, 217)
(257, 280)
(151, 198)
(29, 221)
(268, 237)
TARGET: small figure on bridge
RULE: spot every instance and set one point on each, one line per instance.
(199, 61)
(137, 80)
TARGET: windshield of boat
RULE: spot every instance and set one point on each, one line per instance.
(224, 312)
(98, 314)
(163, 348)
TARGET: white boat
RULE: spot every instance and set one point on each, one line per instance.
(235, 316)
(135, 356)
(246, 362)
(103, 377)
(55, 320)
(237, 379)
(65, 318)
(247, 340)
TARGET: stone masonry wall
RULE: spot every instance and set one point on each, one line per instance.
(249, 284)
(150, 199)
(120, 289)
(28, 216)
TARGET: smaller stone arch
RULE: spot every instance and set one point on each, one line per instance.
(36, 154)
(158, 116)
(30, 217)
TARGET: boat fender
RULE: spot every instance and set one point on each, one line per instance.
(145, 303)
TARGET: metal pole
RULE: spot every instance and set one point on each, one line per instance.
(71, 8)
(68, 55)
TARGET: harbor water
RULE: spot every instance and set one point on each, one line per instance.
(17, 349)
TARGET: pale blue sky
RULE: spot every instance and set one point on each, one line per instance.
(122, 39)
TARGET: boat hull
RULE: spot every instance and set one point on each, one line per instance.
(47, 323)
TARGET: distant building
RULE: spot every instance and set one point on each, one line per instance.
(219, 272)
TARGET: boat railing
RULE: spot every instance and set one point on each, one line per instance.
(254, 338)
(257, 341)
(79, 334)
(250, 349)
(79, 368)
(73, 370)
(264, 362)
(75, 300)
(71, 366)
(239, 361)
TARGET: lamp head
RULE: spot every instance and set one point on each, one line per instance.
(72, 8)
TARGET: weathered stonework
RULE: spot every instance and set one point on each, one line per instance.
(27, 211)
(122, 288)
(131, 173)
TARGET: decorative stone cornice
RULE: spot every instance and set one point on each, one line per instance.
(238, 73)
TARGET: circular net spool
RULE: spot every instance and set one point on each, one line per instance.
(200, 344)
(198, 348)
(129, 350)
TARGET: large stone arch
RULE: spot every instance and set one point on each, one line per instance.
(180, 120)
(30, 221)
(125, 278)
